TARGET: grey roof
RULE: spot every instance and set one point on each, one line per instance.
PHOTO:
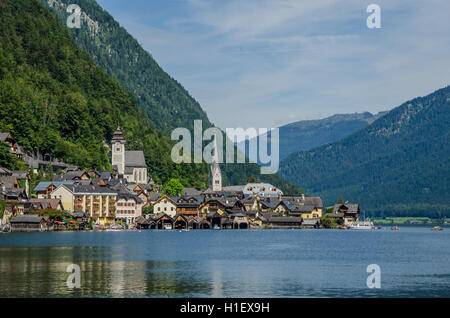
(20, 174)
(70, 175)
(191, 191)
(233, 188)
(31, 218)
(351, 207)
(5, 171)
(284, 219)
(316, 202)
(42, 186)
(8, 181)
(105, 175)
(89, 188)
(128, 196)
(135, 159)
(16, 193)
(3, 136)
(301, 208)
(153, 196)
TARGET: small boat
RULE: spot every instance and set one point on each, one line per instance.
(361, 225)
(437, 228)
(395, 228)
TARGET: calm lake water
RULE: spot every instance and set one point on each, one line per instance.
(414, 262)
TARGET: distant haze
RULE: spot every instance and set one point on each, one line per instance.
(308, 134)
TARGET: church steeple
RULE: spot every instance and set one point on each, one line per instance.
(215, 175)
(118, 151)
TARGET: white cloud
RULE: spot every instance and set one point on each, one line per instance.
(264, 63)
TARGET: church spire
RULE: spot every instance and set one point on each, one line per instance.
(215, 175)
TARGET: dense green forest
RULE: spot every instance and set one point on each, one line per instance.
(55, 99)
(165, 102)
(308, 134)
(397, 166)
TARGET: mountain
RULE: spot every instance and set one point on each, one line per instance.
(308, 134)
(164, 101)
(55, 99)
(398, 165)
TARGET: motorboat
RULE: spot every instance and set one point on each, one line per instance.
(361, 225)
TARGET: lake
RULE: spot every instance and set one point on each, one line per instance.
(414, 262)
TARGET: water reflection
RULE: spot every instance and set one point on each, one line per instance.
(217, 264)
(41, 272)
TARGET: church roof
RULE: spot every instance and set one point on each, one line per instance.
(135, 159)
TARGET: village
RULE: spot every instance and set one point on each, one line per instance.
(128, 199)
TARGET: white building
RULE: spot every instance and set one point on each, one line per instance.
(215, 175)
(128, 164)
(262, 190)
(165, 205)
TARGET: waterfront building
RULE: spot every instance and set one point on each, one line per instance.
(97, 202)
(28, 223)
(163, 221)
(189, 205)
(280, 222)
(128, 208)
(165, 204)
(345, 213)
(239, 220)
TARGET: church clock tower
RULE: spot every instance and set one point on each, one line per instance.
(118, 151)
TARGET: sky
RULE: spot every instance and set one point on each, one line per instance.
(266, 63)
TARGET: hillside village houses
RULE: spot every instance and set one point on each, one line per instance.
(110, 199)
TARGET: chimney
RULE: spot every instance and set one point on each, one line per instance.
(303, 197)
(280, 197)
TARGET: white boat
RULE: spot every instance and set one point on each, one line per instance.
(361, 225)
(167, 226)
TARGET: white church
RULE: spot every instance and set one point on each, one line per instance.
(129, 164)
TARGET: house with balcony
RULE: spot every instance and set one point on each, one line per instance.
(128, 208)
(99, 203)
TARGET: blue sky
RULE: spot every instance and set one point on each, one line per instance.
(265, 63)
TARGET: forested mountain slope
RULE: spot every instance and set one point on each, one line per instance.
(399, 165)
(55, 99)
(308, 134)
(165, 102)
